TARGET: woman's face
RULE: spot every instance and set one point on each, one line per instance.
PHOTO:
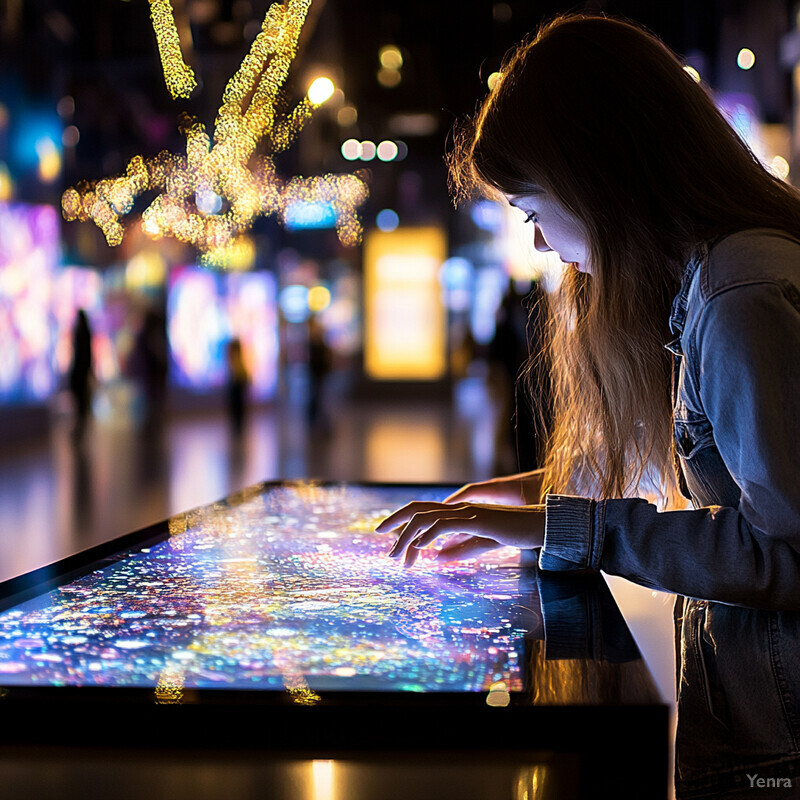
(554, 227)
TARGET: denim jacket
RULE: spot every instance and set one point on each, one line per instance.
(734, 559)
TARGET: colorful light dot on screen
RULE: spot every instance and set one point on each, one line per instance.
(492, 80)
(387, 220)
(746, 58)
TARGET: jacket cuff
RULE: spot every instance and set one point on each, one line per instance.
(572, 533)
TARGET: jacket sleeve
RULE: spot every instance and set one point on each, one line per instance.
(748, 351)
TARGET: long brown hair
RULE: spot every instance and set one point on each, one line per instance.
(602, 115)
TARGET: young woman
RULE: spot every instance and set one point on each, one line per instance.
(674, 347)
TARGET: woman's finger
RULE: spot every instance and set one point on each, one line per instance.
(404, 514)
(422, 521)
(442, 527)
(472, 547)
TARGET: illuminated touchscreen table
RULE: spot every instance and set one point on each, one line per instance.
(281, 601)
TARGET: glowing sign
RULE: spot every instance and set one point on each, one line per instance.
(405, 331)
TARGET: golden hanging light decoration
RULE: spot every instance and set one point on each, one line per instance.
(210, 196)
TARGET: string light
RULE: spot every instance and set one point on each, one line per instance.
(178, 76)
(224, 169)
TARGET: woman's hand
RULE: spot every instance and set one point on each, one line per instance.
(513, 490)
(486, 527)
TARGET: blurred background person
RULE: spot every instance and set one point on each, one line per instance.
(320, 363)
(148, 366)
(236, 390)
(81, 373)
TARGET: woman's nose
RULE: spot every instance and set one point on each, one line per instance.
(539, 242)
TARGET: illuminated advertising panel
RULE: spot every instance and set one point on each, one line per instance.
(205, 311)
(28, 262)
(405, 324)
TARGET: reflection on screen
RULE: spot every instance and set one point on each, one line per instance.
(289, 589)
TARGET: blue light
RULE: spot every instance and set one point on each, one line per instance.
(387, 220)
(293, 302)
(31, 126)
(487, 214)
(304, 215)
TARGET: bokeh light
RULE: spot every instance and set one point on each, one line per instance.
(779, 167)
(387, 220)
(49, 160)
(390, 57)
(321, 89)
(347, 116)
(389, 78)
(71, 136)
(368, 150)
(693, 72)
(746, 58)
(387, 151)
(319, 298)
(351, 149)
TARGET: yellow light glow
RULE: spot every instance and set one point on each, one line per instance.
(390, 57)
(319, 298)
(49, 160)
(389, 78)
(226, 165)
(322, 780)
(405, 336)
(746, 58)
(492, 80)
(321, 89)
(693, 72)
(399, 447)
(347, 116)
(6, 184)
(498, 696)
(145, 270)
(779, 167)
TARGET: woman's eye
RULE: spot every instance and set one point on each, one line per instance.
(532, 217)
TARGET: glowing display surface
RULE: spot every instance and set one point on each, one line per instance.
(285, 589)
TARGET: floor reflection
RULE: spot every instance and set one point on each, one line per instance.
(59, 495)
